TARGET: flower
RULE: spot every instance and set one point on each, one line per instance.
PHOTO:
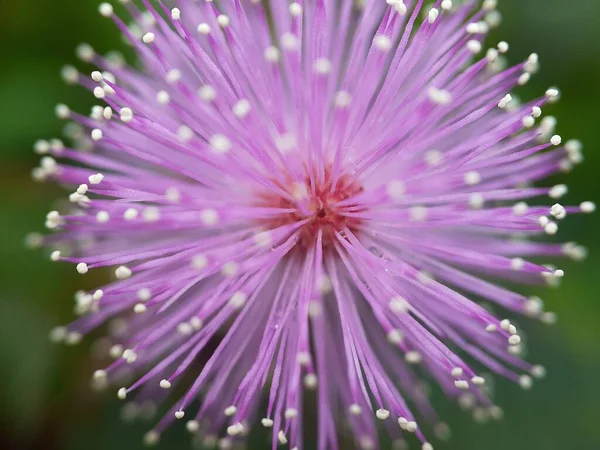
(308, 196)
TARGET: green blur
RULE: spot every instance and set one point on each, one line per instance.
(45, 400)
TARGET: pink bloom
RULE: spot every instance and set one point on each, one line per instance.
(316, 196)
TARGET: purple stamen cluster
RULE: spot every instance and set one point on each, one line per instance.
(308, 196)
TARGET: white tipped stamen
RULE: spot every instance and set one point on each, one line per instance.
(238, 300)
(355, 409)
(528, 121)
(96, 179)
(433, 157)
(62, 111)
(220, 144)
(446, 5)
(457, 372)
(223, 20)
(173, 195)
(151, 438)
(413, 357)
(148, 38)
(489, 5)
(382, 43)
(102, 216)
(322, 66)
(97, 134)
(209, 217)
(558, 191)
(295, 9)
(515, 339)
(418, 213)
(474, 46)
(162, 97)
(526, 382)
(185, 133)
(282, 437)
(123, 272)
(203, 28)
(99, 375)
(85, 52)
(433, 15)
(139, 308)
(505, 101)
(105, 9)
(264, 239)
(179, 414)
(289, 42)
(173, 76)
(122, 393)
(476, 200)
(492, 55)
(175, 14)
(267, 423)
(130, 214)
(185, 329)
(551, 228)
(41, 147)
(82, 268)
(479, 381)
(396, 189)
(230, 411)
(517, 263)
(129, 355)
(126, 115)
(538, 371)
(107, 113)
(461, 384)
(400, 7)
(310, 381)
(439, 96)
(382, 414)
(558, 211)
(151, 214)
(241, 108)
(395, 336)
(69, 74)
(472, 178)
(192, 426)
(555, 140)
(58, 334)
(199, 262)
(290, 413)
(503, 47)
(271, 54)
(399, 305)
(524, 79)
(587, 207)
(165, 384)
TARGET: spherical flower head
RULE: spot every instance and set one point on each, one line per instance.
(309, 196)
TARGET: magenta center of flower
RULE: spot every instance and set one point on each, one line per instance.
(322, 208)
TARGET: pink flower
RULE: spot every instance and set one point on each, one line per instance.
(313, 196)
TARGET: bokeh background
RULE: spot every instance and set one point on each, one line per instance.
(45, 399)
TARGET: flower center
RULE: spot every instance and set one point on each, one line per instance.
(324, 207)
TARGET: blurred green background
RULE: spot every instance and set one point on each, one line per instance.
(45, 400)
